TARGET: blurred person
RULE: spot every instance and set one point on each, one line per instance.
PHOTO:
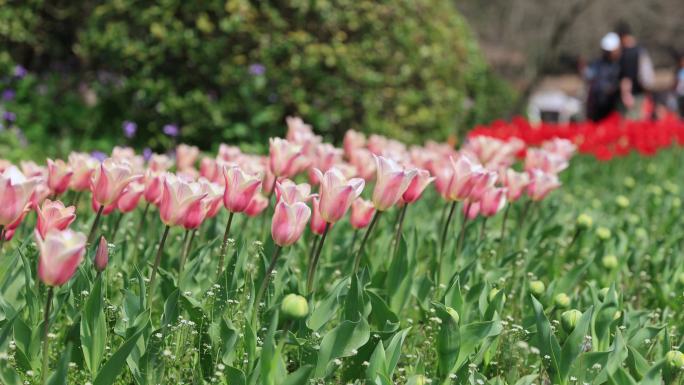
(636, 73)
(603, 77)
(679, 86)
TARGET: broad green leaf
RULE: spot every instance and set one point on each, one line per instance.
(548, 344)
(342, 341)
(393, 350)
(299, 376)
(573, 344)
(94, 329)
(377, 363)
(59, 376)
(111, 369)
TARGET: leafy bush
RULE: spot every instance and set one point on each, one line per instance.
(231, 71)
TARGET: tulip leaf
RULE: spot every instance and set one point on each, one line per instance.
(94, 329)
(548, 344)
(111, 369)
(59, 376)
(342, 341)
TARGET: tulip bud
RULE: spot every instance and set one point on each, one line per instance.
(537, 288)
(569, 319)
(419, 379)
(492, 294)
(584, 221)
(101, 255)
(622, 201)
(294, 306)
(629, 182)
(453, 313)
(675, 359)
(609, 262)
(681, 279)
(603, 233)
(603, 293)
(562, 300)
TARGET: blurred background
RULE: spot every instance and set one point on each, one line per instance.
(92, 74)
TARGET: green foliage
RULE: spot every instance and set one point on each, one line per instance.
(232, 70)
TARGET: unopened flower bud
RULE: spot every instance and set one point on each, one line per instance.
(101, 255)
(562, 300)
(569, 319)
(622, 201)
(537, 288)
(603, 233)
(585, 221)
(603, 293)
(675, 359)
(492, 294)
(609, 262)
(294, 306)
(453, 313)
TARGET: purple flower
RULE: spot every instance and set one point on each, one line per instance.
(9, 116)
(20, 71)
(257, 69)
(171, 130)
(8, 94)
(99, 155)
(147, 153)
(129, 129)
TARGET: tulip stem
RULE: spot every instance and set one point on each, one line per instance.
(482, 229)
(264, 283)
(115, 229)
(141, 224)
(95, 223)
(359, 253)
(400, 226)
(224, 245)
(2, 237)
(442, 241)
(46, 341)
(153, 276)
(461, 236)
(354, 237)
(181, 261)
(77, 198)
(314, 262)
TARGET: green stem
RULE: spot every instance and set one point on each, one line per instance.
(46, 341)
(314, 262)
(77, 199)
(136, 238)
(400, 226)
(482, 229)
(95, 223)
(160, 251)
(442, 241)
(224, 245)
(2, 237)
(264, 283)
(461, 236)
(181, 264)
(357, 259)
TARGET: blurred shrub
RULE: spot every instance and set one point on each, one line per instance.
(231, 71)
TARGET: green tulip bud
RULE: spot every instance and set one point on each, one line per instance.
(675, 359)
(629, 182)
(492, 294)
(603, 293)
(569, 319)
(609, 262)
(676, 203)
(537, 288)
(617, 314)
(562, 300)
(453, 313)
(294, 306)
(681, 279)
(622, 201)
(641, 233)
(603, 233)
(585, 221)
(418, 379)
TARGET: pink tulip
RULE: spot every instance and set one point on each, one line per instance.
(363, 160)
(317, 223)
(515, 182)
(285, 158)
(59, 175)
(289, 221)
(4, 164)
(101, 255)
(83, 166)
(212, 203)
(186, 156)
(159, 163)
(53, 215)
(16, 192)
(455, 180)
(290, 192)
(541, 184)
(493, 200)
(60, 254)
(471, 210)
(546, 161)
(361, 213)
(181, 201)
(228, 153)
(106, 210)
(31, 169)
(482, 181)
(296, 128)
(268, 183)
(210, 169)
(109, 181)
(353, 141)
(337, 193)
(391, 183)
(153, 187)
(240, 188)
(256, 206)
(417, 186)
(325, 157)
(128, 201)
(561, 147)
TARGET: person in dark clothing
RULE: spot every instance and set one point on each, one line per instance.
(603, 76)
(636, 73)
(679, 86)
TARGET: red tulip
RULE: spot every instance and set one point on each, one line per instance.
(60, 254)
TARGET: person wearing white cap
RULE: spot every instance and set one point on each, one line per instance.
(603, 77)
